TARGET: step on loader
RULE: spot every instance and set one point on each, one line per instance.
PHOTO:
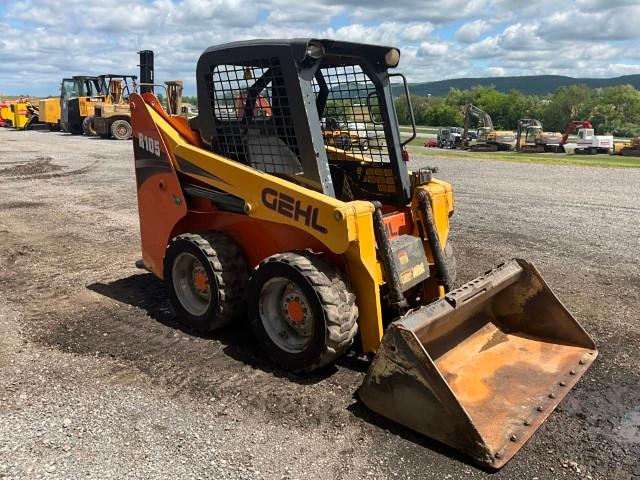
(246, 210)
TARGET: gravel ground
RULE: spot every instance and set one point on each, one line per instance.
(97, 380)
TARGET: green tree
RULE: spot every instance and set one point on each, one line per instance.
(566, 104)
(439, 113)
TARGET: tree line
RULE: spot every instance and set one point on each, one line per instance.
(612, 110)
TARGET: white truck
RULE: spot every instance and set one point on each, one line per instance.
(589, 143)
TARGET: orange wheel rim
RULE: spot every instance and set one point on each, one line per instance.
(295, 310)
(201, 281)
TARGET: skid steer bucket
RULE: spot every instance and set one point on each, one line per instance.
(480, 369)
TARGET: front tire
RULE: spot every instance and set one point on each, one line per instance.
(121, 130)
(87, 126)
(206, 277)
(301, 310)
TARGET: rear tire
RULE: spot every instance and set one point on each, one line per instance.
(302, 312)
(206, 277)
(121, 130)
(87, 126)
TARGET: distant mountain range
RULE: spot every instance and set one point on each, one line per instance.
(529, 85)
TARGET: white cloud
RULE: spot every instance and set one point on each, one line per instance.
(433, 49)
(472, 31)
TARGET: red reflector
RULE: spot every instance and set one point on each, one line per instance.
(405, 155)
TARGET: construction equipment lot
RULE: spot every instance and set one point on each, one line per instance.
(98, 380)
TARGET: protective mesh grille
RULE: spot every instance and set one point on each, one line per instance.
(349, 110)
(253, 116)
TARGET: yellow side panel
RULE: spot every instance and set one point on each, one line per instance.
(366, 277)
(5, 113)
(49, 110)
(87, 107)
(20, 115)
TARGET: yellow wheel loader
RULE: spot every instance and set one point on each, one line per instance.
(50, 110)
(247, 214)
(78, 98)
(112, 118)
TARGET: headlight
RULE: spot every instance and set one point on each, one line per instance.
(315, 50)
(392, 57)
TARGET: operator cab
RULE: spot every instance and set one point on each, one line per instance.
(269, 103)
(117, 87)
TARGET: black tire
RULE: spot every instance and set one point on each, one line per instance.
(121, 130)
(87, 126)
(227, 276)
(452, 263)
(333, 312)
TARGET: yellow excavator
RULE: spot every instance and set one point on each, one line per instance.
(630, 149)
(531, 138)
(488, 139)
(246, 214)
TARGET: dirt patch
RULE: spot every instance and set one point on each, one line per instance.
(39, 166)
(42, 168)
(20, 204)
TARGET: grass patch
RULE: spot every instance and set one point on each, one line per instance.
(541, 158)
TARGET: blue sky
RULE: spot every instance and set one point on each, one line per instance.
(44, 40)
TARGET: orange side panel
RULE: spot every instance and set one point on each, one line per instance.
(398, 223)
(258, 239)
(161, 203)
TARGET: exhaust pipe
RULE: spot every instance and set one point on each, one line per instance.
(146, 71)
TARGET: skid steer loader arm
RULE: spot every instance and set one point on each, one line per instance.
(481, 368)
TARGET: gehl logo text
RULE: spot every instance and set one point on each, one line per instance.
(290, 207)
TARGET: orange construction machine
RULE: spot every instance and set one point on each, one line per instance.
(247, 211)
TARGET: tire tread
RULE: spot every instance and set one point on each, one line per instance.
(336, 298)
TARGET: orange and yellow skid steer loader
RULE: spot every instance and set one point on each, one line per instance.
(244, 212)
